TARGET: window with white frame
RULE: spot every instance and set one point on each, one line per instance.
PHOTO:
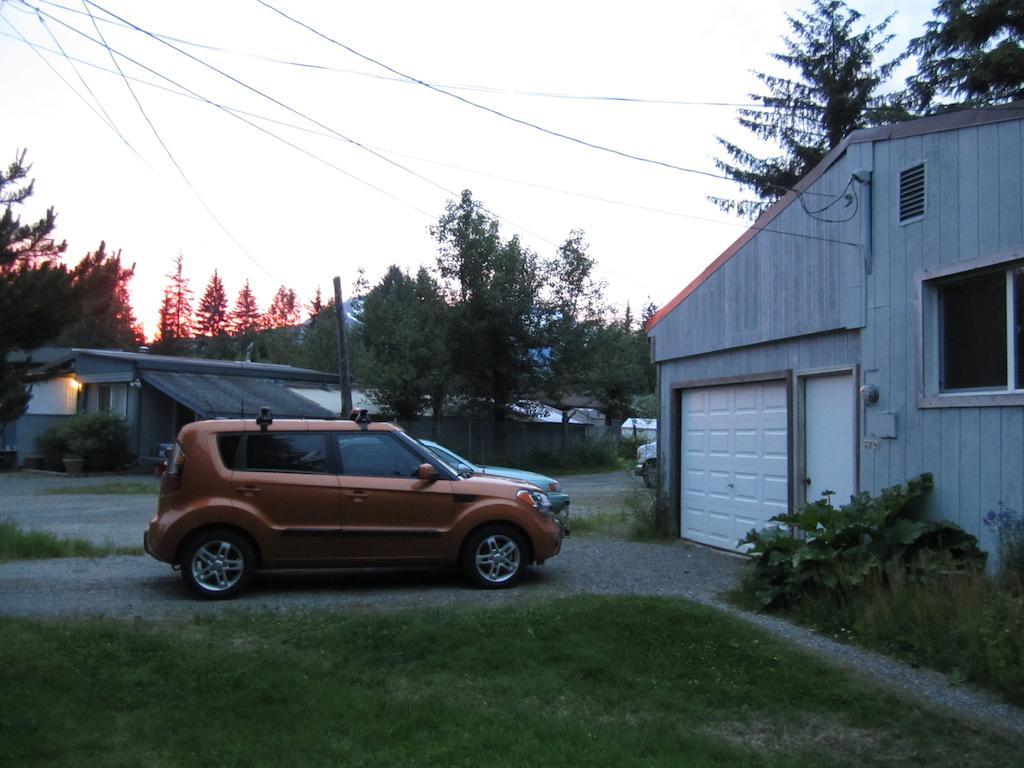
(980, 339)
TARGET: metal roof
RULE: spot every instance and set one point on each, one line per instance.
(217, 396)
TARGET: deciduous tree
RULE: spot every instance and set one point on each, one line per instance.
(408, 357)
(284, 309)
(493, 290)
(572, 318)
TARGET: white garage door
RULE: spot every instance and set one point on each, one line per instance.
(734, 462)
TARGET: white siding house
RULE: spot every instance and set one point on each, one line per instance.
(866, 329)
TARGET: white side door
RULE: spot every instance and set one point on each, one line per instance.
(830, 416)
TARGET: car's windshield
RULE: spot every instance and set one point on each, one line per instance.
(463, 467)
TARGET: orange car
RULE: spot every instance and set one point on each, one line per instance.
(238, 496)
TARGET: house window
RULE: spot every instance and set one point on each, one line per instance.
(981, 341)
(104, 398)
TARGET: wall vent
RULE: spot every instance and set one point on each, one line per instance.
(912, 193)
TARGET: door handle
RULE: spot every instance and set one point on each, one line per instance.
(247, 490)
(357, 496)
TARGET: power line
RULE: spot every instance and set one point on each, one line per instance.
(499, 113)
(452, 86)
(307, 117)
(237, 113)
(189, 93)
(167, 149)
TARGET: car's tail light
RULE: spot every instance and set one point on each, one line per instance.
(553, 487)
(171, 480)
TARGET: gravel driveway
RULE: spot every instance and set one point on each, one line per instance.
(140, 587)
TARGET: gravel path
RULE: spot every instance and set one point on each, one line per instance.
(140, 587)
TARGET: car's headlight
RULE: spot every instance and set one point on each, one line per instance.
(536, 499)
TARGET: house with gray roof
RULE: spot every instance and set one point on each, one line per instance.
(867, 328)
(156, 395)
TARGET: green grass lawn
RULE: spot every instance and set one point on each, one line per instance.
(120, 488)
(18, 544)
(582, 681)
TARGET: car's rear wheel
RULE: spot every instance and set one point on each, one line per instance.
(217, 564)
(495, 557)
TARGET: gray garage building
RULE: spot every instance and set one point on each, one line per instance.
(867, 328)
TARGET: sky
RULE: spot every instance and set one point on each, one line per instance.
(337, 164)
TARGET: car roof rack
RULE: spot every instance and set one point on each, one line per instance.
(264, 419)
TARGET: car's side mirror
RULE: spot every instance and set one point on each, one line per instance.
(427, 472)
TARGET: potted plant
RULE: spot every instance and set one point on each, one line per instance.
(73, 465)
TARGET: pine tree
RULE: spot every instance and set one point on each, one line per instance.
(315, 306)
(284, 310)
(36, 297)
(212, 312)
(833, 93)
(246, 318)
(106, 318)
(971, 53)
(175, 310)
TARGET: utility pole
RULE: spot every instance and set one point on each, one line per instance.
(343, 375)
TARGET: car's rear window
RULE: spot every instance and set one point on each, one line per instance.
(228, 446)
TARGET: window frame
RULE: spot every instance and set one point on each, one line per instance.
(929, 285)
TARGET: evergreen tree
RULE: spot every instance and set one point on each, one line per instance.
(212, 312)
(106, 318)
(833, 92)
(36, 297)
(316, 305)
(175, 324)
(970, 53)
(246, 318)
(320, 341)
(284, 309)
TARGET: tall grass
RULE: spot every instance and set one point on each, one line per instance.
(639, 518)
(17, 544)
(966, 625)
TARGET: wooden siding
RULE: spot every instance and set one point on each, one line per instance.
(974, 209)
(799, 276)
(784, 303)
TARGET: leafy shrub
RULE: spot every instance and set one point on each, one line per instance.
(869, 541)
(628, 446)
(588, 453)
(99, 438)
(1008, 527)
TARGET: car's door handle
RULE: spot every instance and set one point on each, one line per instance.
(357, 496)
(247, 490)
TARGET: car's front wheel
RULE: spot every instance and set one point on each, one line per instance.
(495, 557)
(217, 564)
